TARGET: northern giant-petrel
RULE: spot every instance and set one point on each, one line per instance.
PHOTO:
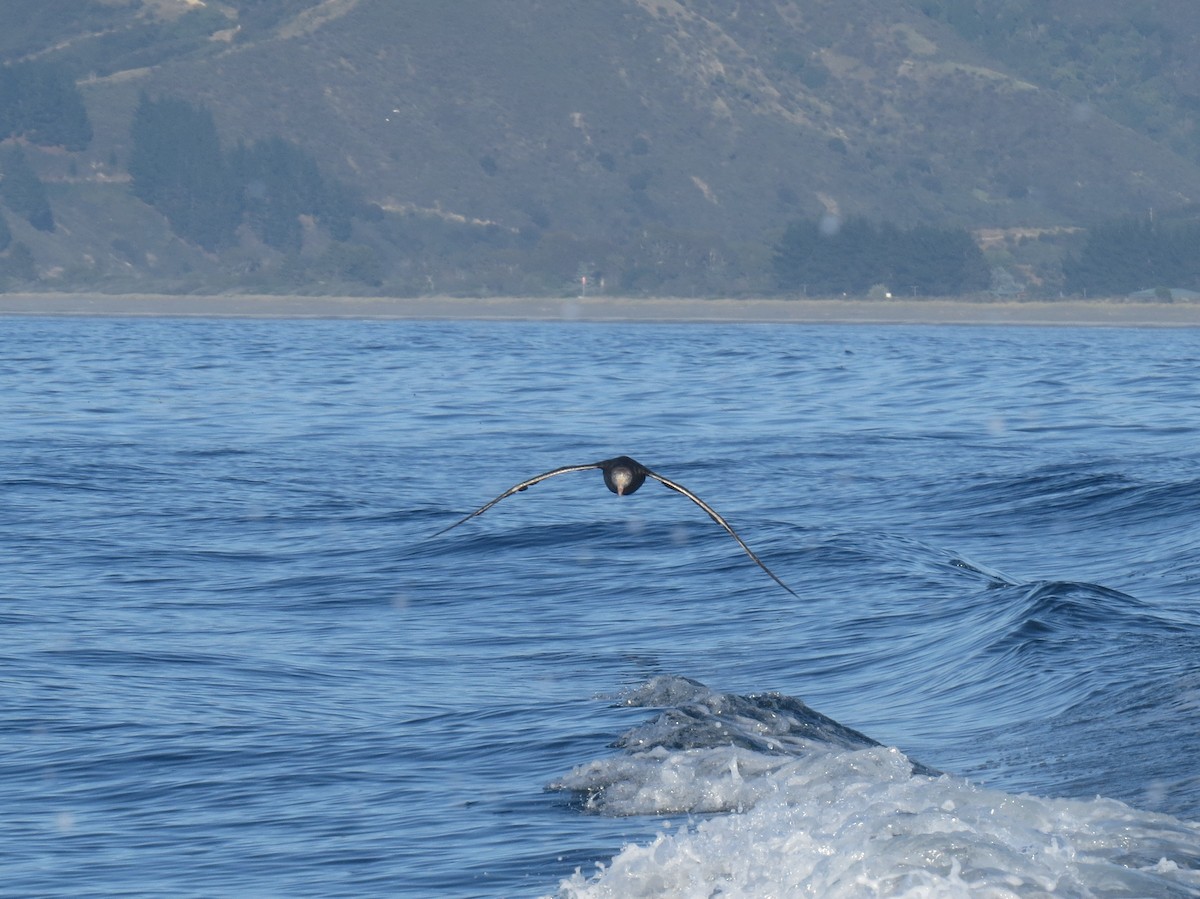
(623, 476)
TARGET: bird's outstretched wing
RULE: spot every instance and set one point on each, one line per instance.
(679, 488)
(524, 485)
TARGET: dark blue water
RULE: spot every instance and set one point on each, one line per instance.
(233, 663)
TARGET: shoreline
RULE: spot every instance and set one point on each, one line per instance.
(1077, 313)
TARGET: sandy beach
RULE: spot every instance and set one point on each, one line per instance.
(1090, 313)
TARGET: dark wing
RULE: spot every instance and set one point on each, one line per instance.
(679, 488)
(517, 488)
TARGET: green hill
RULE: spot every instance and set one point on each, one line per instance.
(515, 145)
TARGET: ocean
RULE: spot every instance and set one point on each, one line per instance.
(236, 661)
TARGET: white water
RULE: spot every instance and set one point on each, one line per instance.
(803, 819)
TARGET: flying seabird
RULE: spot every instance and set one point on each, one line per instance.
(623, 476)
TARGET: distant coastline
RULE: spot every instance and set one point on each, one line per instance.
(1092, 313)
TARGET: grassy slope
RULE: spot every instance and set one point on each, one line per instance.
(628, 122)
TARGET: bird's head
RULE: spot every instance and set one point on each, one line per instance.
(622, 477)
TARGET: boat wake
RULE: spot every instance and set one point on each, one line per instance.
(772, 798)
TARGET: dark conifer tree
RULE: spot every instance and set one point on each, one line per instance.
(40, 102)
(857, 254)
(942, 262)
(1131, 254)
(8, 102)
(22, 191)
(280, 183)
(827, 258)
(178, 167)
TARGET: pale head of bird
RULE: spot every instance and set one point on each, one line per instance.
(622, 477)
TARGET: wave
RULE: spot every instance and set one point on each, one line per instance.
(782, 800)
(765, 733)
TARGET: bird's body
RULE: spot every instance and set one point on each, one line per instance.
(623, 476)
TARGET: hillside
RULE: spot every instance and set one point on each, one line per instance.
(511, 145)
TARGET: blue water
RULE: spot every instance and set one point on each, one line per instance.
(233, 663)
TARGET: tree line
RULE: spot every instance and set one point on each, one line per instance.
(1129, 254)
(829, 257)
(178, 166)
(40, 104)
(22, 191)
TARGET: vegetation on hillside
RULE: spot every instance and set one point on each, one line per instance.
(832, 258)
(1127, 255)
(40, 104)
(1134, 61)
(22, 191)
(179, 168)
(95, 39)
(270, 187)
(291, 145)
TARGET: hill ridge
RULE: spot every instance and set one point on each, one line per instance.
(667, 144)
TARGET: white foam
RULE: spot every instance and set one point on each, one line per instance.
(844, 823)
